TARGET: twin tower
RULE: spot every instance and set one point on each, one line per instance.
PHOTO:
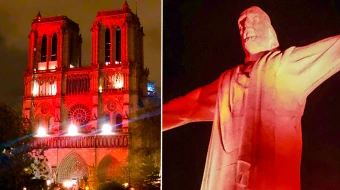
(60, 91)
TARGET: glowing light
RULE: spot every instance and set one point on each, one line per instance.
(42, 66)
(52, 65)
(106, 129)
(100, 89)
(87, 187)
(48, 182)
(151, 88)
(67, 184)
(107, 63)
(35, 90)
(71, 66)
(54, 89)
(42, 132)
(72, 130)
(118, 81)
(118, 62)
(125, 185)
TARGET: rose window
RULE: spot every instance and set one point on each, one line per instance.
(44, 109)
(80, 114)
(111, 106)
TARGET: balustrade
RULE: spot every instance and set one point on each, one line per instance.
(94, 141)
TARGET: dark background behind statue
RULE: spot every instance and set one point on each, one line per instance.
(201, 40)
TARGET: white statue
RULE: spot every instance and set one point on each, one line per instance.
(256, 108)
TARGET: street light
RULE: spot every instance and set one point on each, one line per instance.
(126, 185)
(42, 132)
(67, 184)
(72, 130)
(106, 129)
(48, 183)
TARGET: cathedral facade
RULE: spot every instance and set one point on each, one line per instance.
(81, 112)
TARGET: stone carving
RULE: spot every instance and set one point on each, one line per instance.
(72, 166)
(256, 108)
(44, 109)
(111, 106)
(80, 114)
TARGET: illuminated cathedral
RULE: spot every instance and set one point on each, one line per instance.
(81, 112)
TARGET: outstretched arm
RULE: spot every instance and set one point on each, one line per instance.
(198, 105)
(309, 66)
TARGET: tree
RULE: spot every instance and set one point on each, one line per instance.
(144, 151)
(18, 160)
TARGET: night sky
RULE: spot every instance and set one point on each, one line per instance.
(15, 24)
(201, 40)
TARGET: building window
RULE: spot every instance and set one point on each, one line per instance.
(107, 46)
(107, 119)
(43, 48)
(54, 48)
(114, 82)
(80, 114)
(44, 88)
(119, 122)
(118, 44)
(71, 51)
(77, 84)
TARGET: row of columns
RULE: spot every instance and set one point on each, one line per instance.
(98, 43)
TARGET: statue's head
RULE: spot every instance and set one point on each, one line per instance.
(256, 31)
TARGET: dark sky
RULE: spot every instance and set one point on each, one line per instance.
(15, 24)
(201, 40)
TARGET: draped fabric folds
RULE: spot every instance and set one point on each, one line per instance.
(256, 138)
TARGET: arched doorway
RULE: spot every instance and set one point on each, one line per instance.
(108, 168)
(73, 166)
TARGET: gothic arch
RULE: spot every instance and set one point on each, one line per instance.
(107, 45)
(43, 52)
(54, 47)
(108, 167)
(118, 44)
(44, 112)
(112, 106)
(119, 121)
(72, 166)
(85, 100)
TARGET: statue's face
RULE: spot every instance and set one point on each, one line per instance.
(256, 32)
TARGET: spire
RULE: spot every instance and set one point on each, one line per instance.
(38, 15)
(126, 7)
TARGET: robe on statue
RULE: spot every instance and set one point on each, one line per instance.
(256, 140)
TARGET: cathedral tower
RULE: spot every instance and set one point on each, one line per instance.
(82, 112)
